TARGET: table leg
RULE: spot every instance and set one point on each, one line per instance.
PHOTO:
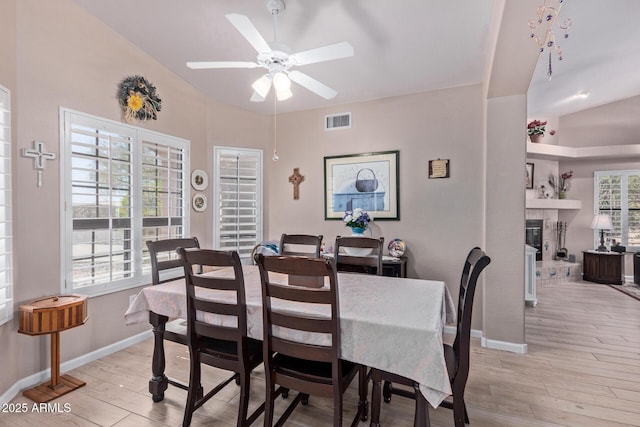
(376, 397)
(158, 382)
(55, 360)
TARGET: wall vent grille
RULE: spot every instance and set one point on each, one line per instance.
(337, 121)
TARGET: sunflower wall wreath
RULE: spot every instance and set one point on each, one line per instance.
(138, 99)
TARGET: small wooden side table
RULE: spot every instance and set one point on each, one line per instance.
(51, 315)
(603, 267)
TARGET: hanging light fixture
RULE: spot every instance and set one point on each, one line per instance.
(542, 29)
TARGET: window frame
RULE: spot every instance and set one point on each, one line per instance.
(623, 230)
(139, 137)
(6, 303)
(248, 152)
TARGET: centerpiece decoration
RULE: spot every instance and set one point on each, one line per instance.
(358, 220)
(562, 186)
(535, 130)
(138, 99)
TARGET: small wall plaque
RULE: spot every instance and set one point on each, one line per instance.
(439, 168)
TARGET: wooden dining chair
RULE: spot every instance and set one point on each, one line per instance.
(456, 356)
(347, 251)
(164, 258)
(308, 368)
(222, 346)
(293, 244)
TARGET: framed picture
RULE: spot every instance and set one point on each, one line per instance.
(439, 168)
(368, 181)
(199, 202)
(528, 178)
(199, 179)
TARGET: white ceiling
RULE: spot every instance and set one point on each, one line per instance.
(401, 47)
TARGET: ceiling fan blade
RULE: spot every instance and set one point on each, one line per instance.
(256, 97)
(325, 53)
(221, 64)
(312, 84)
(249, 32)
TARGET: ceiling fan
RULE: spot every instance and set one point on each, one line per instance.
(278, 60)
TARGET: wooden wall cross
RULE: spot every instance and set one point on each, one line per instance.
(296, 179)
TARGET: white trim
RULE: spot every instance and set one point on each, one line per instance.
(45, 375)
(492, 344)
(451, 330)
(504, 345)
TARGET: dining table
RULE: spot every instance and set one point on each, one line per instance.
(389, 323)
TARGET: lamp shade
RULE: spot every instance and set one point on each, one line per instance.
(601, 222)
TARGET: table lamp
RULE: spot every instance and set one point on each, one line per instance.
(601, 222)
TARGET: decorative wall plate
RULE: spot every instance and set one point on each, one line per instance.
(396, 247)
(199, 179)
(199, 202)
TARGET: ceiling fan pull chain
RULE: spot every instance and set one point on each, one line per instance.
(275, 131)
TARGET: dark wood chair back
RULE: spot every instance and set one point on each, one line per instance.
(164, 256)
(290, 244)
(456, 356)
(371, 264)
(222, 346)
(310, 369)
(477, 260)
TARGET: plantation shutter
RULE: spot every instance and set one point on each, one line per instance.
(163, 193)
(238, 197)
(617, 194)
(101, 172)
(6, 234)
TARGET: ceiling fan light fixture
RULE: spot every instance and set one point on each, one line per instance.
(263, 85)
(283, 95)
(281, 82)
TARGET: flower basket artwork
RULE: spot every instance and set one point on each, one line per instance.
(535, 130)
(138, 99)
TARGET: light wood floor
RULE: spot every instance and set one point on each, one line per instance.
(582, 369)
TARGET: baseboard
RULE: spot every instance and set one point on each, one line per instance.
(475, 333)
(492, 344)
(505, 346)
(45, 375)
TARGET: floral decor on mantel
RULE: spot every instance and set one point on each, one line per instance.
(357, 219)
(562, 186)
(535, 130)
(138, 99)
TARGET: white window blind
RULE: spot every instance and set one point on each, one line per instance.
(6, 234)
(123, 186)
(617, 194)
(238, 198)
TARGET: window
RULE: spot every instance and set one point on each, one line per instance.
(617, 193)
(238, 199)
(6, 243)
(123, 186)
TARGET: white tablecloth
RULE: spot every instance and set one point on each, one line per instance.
(389, 323)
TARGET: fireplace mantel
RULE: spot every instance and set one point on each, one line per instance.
(553, 204)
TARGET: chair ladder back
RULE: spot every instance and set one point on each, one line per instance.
(299, 320)
(162, 252)
(475, 263)
(232, 288)
(373, 260)
(297, 240)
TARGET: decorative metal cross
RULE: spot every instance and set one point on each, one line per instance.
(39, 155)
(296, 179)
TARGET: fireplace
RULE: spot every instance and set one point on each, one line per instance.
(533, 235)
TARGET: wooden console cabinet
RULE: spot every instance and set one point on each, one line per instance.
(603, 267)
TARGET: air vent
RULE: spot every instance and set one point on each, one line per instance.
(337, 121)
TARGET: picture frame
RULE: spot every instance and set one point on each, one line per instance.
(369, 181)
(199, 202)
(199, 179)
(528, 177)
(439, 168)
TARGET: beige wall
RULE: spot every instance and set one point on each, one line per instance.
(70, 59)
(440, 219)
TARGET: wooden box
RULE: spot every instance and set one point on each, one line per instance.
(53, 314)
